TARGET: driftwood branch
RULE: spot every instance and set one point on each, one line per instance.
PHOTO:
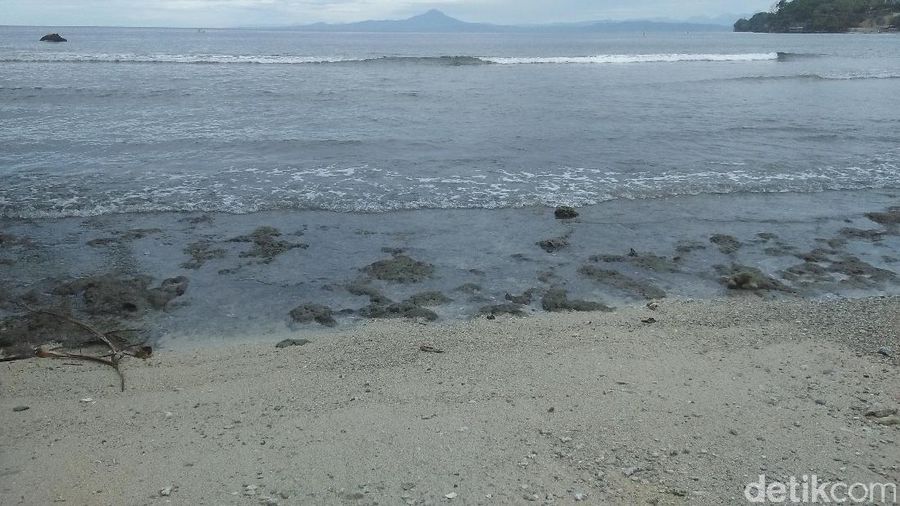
(113, 358)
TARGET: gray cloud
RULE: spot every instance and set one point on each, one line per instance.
(244, 12)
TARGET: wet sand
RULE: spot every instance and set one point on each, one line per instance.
(596, 406)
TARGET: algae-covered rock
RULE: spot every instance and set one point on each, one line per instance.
(200, 253)
(266, 244)
(123, 296)
(888, 218)
(553, 245)
(400, 269)
(618, 280)
(727, 244)
(318, 313)
(524, 298)
(404, 309)
(501, 309)
(429, 299)
(647, 261)
(469, 288)
(742, 277)
(565, 213)
(557, 300)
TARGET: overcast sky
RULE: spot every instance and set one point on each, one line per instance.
(215, 13)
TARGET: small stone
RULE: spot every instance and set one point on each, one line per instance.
(87, 399)
(879, 411)
(165, 492)
(652, 306)
(292, 342)
(629, 471)
(886, 351)
(579, 496)
(733, 432)
(451, 496)
(888, 420)
(820, 402)
(21, 408)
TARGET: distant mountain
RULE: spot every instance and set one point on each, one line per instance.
(435, 21)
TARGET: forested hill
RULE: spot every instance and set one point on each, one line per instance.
(830, 16)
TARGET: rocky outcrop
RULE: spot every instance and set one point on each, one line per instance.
(53, 37)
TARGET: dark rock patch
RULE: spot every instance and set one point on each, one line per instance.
(862, 234)
(501, 309)
(547, 277)
(400, 269)
(689, 246)
(618, 280)
(553, 245)
(860, 272)
(557, 300)
(742, 277)
(781, 250)
(727, 244)
(767, 236)
(469, 288)
(266, 244)
(891, 217)
(565, 213)
(123, 296)
(309, 313)
(364, 289)
(523, 299)
(200, 253)
(404, 309)
(807, 273)
(428, 299)
(203, 219)
(647, 261)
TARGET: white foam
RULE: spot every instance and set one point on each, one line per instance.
(635, 58)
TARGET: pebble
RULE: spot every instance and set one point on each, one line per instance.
(87, 399)
(629, 471)
(165, 492)
(886, 351)
(580, 496)
(452, 495)
(21, 408)
(879, 411)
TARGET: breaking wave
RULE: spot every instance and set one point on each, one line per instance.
(214, 59)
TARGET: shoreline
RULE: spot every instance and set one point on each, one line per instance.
(550, 408)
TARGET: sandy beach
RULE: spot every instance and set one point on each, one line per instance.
(602, 408)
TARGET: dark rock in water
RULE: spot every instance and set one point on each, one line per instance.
(727, 244)
(200, 253)
(125, 296)
(287, 343)
(689, 246)
(647, 261)
(767, 236)
(557, 300)
(890, 217)
(364, 289)
(499, 309)
(565, 213)
(742, 277)
(865, 235)
(53, 37)
(819, 255)
(266, 244)
(618, 280)
(807, 272)
(469, 288)
(860, 272)
(523, 299)
(398, 310)
(429, 299)
(400, 269)
(553, 245)
(308, 313)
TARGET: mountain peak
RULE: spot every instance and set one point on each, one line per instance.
(433, 16)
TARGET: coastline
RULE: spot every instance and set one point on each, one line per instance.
(549, 408)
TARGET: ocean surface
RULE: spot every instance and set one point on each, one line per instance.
(239, 121)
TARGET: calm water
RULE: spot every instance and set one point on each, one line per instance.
(121, 120)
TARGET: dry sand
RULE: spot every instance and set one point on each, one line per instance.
(551, 408)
